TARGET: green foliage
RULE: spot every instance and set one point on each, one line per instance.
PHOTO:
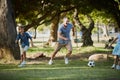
(102, 17)
(39, 12)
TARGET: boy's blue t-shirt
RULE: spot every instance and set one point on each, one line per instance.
(24, 39)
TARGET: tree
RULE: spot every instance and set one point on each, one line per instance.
(109, 7)
(86, 32)
(8, 49)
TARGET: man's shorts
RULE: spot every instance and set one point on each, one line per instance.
(68, 46)
(23, 49)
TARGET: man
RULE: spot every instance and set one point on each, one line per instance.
(24, 44)
(64, 40)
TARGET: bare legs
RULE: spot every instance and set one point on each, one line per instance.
(116, 63)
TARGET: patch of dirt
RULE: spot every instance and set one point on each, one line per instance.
(41, 58)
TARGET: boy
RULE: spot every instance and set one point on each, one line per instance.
(24, 44)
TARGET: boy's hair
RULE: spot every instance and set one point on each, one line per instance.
(21, 27)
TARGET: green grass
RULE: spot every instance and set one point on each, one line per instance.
(76, 50)
(76, 70)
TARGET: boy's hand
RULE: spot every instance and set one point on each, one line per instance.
(16, 42)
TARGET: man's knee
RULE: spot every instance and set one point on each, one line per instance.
(70, 52)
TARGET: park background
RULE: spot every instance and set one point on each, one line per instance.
(97, 20)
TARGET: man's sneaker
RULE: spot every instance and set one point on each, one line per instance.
(66, 60)
(113, 66)
(117, 67)
(50, 62)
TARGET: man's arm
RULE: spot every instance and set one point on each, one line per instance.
(73, 31)
(61, 37)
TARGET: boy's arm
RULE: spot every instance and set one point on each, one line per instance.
(17, 39)
(31, 41)
(30, 37)
(73, 31)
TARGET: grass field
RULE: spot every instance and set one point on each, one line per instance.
(77, 68)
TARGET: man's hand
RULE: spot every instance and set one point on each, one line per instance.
(65, 38)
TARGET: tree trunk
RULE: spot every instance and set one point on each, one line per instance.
(86, 33)
(8, 49)
(53, 32)
(105, 31)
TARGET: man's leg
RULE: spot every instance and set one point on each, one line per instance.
(53, 55)
(59, 46)
(69, 48)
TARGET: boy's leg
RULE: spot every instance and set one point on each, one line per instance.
(118, 64)
(116, 61)
(116, 58)
(24, 52)
(21, 58)
(21, 54)
(24, 55)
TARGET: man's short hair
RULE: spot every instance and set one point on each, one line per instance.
(65, 19)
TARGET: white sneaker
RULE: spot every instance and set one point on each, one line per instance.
(66, 60)
(50, 62)
(23, 63)
(113, 66)
(117, 67)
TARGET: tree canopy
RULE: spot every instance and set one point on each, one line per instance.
(36, 12)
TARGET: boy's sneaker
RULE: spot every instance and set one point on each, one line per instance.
(117, 67)
(113, 66)
(66, 60)
(23, 63)
(50, 62)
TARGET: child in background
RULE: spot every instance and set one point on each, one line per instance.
(24, 44)
(116, 53)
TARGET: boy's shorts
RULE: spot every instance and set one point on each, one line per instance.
(23, 49)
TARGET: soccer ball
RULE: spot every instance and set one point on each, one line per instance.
(91, 63)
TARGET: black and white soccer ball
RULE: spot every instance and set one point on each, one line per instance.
(91, 63)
